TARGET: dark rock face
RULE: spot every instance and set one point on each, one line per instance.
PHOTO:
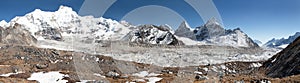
(209, 30)
(286, 62)
(151, 34)
(50, 33)
(213, 32)
(184, 30)
(16, 35)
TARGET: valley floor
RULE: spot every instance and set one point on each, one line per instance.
(30, 64)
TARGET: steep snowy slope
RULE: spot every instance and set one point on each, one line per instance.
(282, 43)
(233, 38)
(184, 30)
(65, 25)
(65, 22)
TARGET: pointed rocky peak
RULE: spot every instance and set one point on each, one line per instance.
(184, 24)
(209, 30)
(184, 30)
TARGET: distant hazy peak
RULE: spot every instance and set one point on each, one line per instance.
(213, 20)
(282, 42)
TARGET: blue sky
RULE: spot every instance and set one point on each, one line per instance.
(260, 19)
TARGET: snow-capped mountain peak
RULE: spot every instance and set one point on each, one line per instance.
(65, 21)
(184, 24)
(3, 23)
(214, 33)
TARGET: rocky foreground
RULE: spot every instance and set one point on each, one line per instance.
(28, 64)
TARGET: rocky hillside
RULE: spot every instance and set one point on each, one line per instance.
(286, 62)
(16, 35)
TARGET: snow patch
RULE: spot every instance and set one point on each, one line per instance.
(8, 74)
(153, 79)
(283, 46)
(48, 77)
(99, 75)
(256, 65)
(188, 41)
(198, 72)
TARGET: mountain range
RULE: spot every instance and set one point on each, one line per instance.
(213, 33)
(65, 23)
(281, 43)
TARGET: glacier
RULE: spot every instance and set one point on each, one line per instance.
(64, 29)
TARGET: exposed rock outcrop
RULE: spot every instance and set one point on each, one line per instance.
(285, 63)
(151, 34)
(16, 35)
(184, 30)
(214, 33)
